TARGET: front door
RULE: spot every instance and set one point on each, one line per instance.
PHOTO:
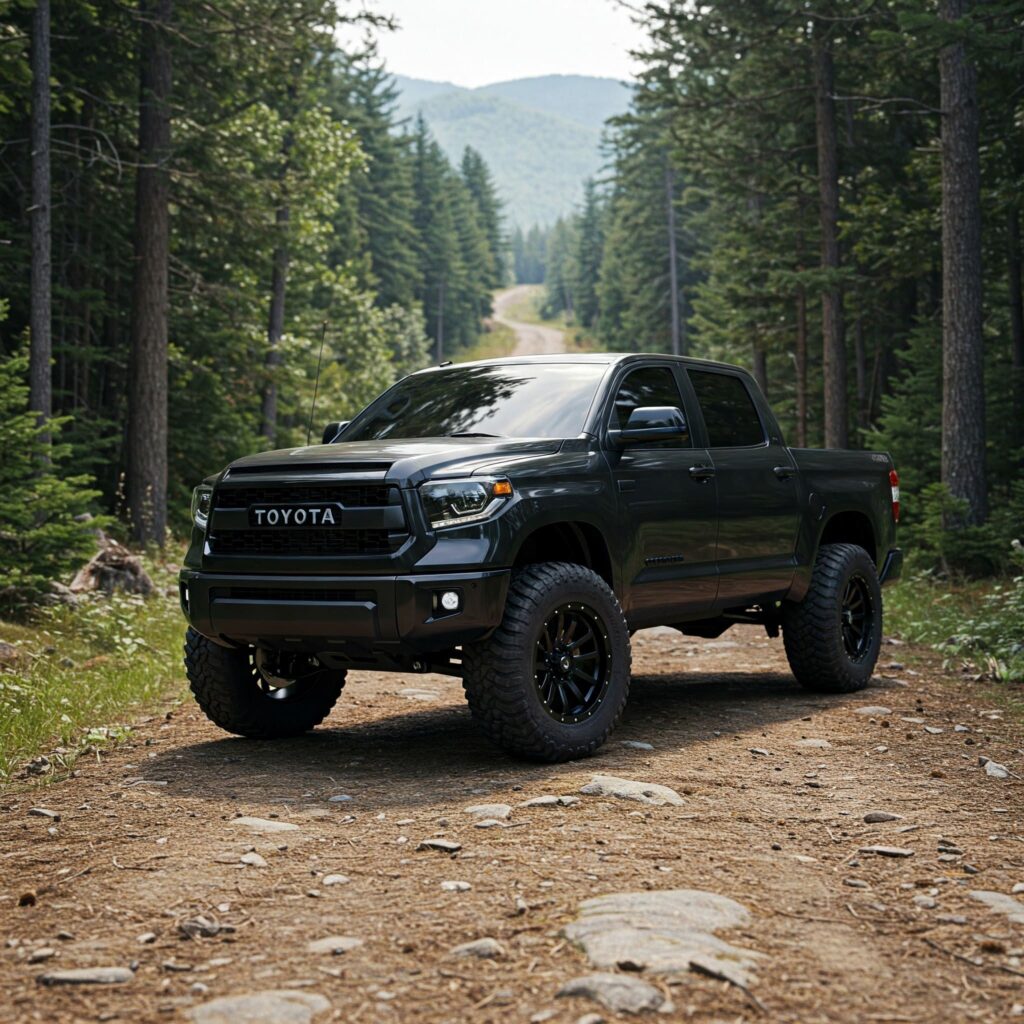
(668, 513)
(758, 500)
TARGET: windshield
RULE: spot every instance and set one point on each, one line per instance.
(512, 400)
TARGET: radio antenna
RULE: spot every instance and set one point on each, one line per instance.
(316, 383)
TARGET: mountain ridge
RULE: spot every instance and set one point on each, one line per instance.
(541, 136)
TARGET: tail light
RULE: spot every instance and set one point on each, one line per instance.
(894, 485)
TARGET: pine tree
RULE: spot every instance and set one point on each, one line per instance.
(477, 177)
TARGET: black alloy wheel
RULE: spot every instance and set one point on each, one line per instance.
(572, 664)
(858, 618)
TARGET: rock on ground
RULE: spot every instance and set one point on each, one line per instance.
(482, 949)
(1001, 904)
(264, 824)
(489, 810)
(662, 932)
(88, 976)
(275, 1006)
(628, 789)
(112, 568)
(334, 944)
(618, 992)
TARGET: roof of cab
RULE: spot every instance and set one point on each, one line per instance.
(605, 358)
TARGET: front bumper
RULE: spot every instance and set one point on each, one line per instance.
(355, 618)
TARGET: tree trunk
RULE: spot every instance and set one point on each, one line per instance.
(834, 349)
(673, 259)
(440, 321)
(40, 300)
(146, 441)
(801, 367)
(1013, 268)
(275, 325)
(761, 368)
(860, 357)
(963, 384)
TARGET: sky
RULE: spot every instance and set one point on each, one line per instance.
(477, 42)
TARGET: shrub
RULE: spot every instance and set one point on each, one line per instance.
(40, 538)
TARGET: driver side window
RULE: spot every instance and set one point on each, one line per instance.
(649, 386)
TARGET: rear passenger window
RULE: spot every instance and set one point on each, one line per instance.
(729, 411)
(649, 386)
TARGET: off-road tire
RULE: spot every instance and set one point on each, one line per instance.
(499, 673)
(813, 629)
(226, 686)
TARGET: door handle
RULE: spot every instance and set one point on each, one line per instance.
(702, 473)
(783, 472)
(627, 485)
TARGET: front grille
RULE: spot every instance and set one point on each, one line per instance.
(304, 542)
(372, 535)
(285, 594)
(350, 495)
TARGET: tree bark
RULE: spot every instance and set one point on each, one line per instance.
(673, 259)
(40, 273)
(834, 349)
(860, 358)
(963, 394)
(146, 442)
(275, 325)
(801, 367)
(1013, 269)
(761, 368)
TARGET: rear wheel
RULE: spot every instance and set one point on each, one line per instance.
(833, 636)
(258, 693)
(551, 682)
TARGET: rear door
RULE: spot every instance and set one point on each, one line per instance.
(668, 514)
(756, 480)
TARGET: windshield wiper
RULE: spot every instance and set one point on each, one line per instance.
(472, 433)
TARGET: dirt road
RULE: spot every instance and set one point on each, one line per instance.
(774, 786)
(532, 339)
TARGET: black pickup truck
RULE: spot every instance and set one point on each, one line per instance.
(512, 522)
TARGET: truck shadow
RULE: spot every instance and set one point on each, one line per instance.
(436, 754)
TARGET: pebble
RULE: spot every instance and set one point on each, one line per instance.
(617, 992)
(960, 728)
(276, 1006)
(43, 812)
(663, 931)
(933, 730)
(334, 944)
(887, 851)
(814, 744)
(264, 824)
(1018, 888)
(489, 823)
(336, 880)
(855, 883)
(1000, 903)
(925, 902)
(482, 949)
(146, 938)
(951, 919)
(444, 845)
(873, 711)
(877, 817)
(489, 810)
(551, 801)
(996, 770)
(453, 886)
(88, 976)
(43, 953)
(201, 927)
(339, 798)
(637, 745)
(628, 789)
(253, 860)
(760, 751)
(590, 1018)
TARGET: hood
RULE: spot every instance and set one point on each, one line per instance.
(403, 461)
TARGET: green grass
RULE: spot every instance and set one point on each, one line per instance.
(977, 624)
(80, 671)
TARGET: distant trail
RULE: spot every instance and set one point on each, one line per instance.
(531, 339)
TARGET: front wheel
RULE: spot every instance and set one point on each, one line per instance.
(833, 636)
(257, 693)
(550, 683)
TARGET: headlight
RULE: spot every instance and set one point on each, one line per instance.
(202, 501)
(456, 502)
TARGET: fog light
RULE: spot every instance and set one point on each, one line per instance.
(450, 601)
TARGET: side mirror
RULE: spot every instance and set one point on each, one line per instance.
(332, 430)
(652, 423)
